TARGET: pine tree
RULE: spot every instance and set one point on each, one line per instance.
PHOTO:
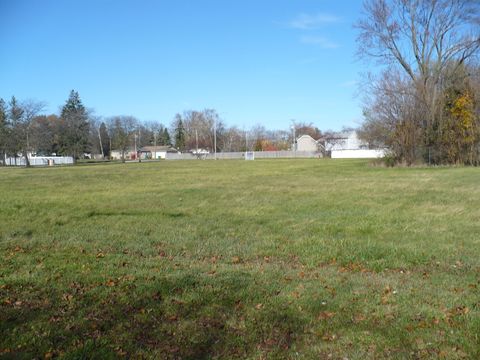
(166, 137)
(180, 135)
(3, 130)
(14, 124)
(76, 126)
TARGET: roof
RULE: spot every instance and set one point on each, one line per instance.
(158, 148)
(306, 136)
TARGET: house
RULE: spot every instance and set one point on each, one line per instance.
(156, 152)
(307, 143)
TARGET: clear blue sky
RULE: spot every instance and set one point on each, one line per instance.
(254, 61)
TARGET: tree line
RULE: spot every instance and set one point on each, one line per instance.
(77, 131)
(424, 106)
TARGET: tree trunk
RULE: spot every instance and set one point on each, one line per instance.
(27, 161)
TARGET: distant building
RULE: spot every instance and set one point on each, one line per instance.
(347, 145)
(156, 152)
(307, 143)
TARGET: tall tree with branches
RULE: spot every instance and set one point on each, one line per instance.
(425, 41)
(76, 127)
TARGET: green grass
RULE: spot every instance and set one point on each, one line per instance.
(272, 259)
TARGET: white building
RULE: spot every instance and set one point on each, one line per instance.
(307, 143)
(347, 145)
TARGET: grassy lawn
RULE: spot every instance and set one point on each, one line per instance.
(313, 259)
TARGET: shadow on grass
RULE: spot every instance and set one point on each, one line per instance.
(187, 316)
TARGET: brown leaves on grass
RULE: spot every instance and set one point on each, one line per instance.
(329, 337)
(353, 267)
(386, 295)
(67, 297)
(18, 249)
(357, 318)
(457, 311)
(325, 315)
(110, 283)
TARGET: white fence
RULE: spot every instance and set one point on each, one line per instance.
(241, 155)
(358, 154)
(39, 160)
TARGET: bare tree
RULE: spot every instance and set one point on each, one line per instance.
(428, 41)
(30, 109)
(123, 129)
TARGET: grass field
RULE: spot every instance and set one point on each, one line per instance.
(313, 259)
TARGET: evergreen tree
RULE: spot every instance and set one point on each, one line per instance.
(166, 137)
(3, 130)
(75, 132)
(179, 134)
(14, 124)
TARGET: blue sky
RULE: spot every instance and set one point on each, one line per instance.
(254, 61)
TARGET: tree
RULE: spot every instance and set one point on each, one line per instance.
(122, 131)
(179, 132)
(460, 132)
(30, 110)
(104, 139)
(425, 43)
(165, 137)
(76, 127)
(3, 131)
(304, 128)
(233, 139)
(44, 134)
(15, 114)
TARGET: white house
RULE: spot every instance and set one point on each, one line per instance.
(307, 143)
(156, 152)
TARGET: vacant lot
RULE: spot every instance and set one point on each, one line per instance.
(235, 259)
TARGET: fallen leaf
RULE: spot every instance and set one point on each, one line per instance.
(358, 318)
(324, 315)
(67, 297)
(329, 337)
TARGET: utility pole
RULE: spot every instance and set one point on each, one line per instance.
(246, 141)
(196, 139)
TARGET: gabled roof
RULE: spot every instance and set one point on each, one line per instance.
(306, 136)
